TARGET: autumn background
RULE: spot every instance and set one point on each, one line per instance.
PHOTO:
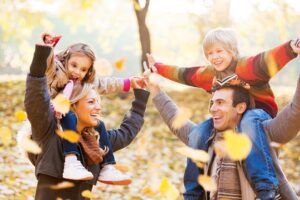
(121, 32)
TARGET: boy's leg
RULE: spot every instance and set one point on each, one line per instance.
(259, 163)
(198, 139)
(109, 174)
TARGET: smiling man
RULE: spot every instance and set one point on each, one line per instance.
(227, 106)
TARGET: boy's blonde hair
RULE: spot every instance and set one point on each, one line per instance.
(225, 36)
(57, 72)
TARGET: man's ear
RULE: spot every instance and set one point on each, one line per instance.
(241, 107)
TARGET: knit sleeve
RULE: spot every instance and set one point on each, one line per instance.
(198, 76)
(263, 66)
(109, 85)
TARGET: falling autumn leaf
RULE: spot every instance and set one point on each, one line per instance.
(5, 135)
(121, 167)
(207, 183)
(182, 116)
(69, 135)
(119, 64)
(61, 104)
(136, 5)
(237, 146)
(87, 194)
(62, 185)
(20, 115)
(168, 190)
(194, 154)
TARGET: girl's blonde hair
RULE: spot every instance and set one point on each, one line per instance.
(80, 91)
(225, 36)
(57, 72)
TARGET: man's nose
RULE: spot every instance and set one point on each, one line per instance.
(213, 108)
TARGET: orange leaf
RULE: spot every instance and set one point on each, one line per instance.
(62, 185)
(87, 194)
(69, 135)
(121, 167)
(119, 64)
(20, 115)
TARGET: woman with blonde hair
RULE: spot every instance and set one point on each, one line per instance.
(49, 163)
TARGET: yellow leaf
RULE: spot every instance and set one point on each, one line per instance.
(62, 185)
(121, 167)
(182, 116)
(20, 115)
(238, 146)
(87, 194)
(5, 135)
(148, 191)
(196, 155)
(119, 64)
(69, 135)
(136, 5)
(61, 104)
(168, 190)
(207, 183)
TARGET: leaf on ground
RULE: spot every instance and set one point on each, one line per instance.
(5, 135)
(69, 135)
(168, 190)
(62, 185)
(207, 183)
(61, 104)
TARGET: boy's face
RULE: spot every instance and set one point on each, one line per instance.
(219, 57)
(78, 66)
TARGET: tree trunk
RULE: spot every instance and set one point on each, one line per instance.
(143, 29)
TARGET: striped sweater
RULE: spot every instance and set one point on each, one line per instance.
(256, 70)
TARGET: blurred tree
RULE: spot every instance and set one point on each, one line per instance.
(141, 14)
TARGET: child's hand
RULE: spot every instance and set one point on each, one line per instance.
(151, 62)
(137, 82)
(50, 40)
(152, 87)
(295, 45)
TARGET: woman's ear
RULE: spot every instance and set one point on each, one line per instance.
(241, 107)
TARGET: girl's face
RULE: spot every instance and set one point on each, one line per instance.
(78, 65)
(219, 57)
(88, 110)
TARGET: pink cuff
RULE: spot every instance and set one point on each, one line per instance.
(126, 86)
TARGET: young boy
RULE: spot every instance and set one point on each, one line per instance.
(221, 50)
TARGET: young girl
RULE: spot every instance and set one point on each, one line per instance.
(75, 65)
(220, 49)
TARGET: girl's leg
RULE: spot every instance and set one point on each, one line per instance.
(73, 168)
(259, 163)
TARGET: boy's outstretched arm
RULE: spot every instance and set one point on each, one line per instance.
(199, 76)
(265, 65)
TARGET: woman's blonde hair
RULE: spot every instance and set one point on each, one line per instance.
(56, 73)
(225, 36)
(80, 91)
